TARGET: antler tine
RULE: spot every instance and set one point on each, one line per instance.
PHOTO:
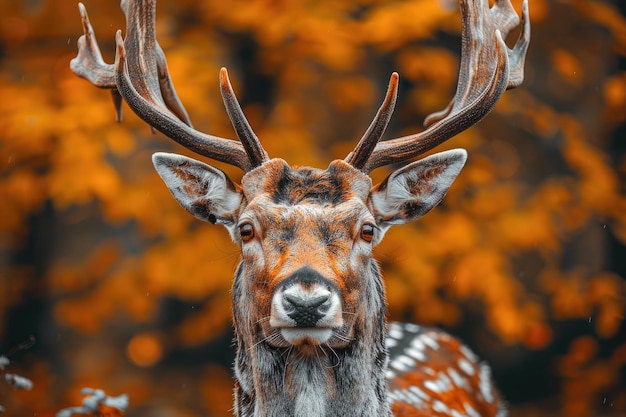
(488, 68)
(246, 135)
(89, 64)
(140, 76)
(518, 54)
(358, 158)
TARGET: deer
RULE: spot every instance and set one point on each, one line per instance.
(308, 299)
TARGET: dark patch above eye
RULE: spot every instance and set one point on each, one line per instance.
(326, 233)
(305, 184)
(288, 231)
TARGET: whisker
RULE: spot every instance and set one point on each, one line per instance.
(326, 355)
(336, 356)
(274, 335)
(317, 349)
(289, 350)
(286, 352)
(343, 338)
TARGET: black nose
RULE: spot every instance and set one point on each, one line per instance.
(306, 312)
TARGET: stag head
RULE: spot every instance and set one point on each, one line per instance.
(307, 234)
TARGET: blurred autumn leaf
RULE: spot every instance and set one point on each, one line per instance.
(123, 290)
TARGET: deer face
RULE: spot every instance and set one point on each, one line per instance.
(306, 235)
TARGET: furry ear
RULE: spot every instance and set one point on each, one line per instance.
(412, 191)
(202, 190)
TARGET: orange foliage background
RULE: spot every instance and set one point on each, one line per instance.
(124, 291)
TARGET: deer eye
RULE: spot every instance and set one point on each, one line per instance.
(246, 231)
(367, 232)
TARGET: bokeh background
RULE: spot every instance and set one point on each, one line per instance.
(105, 282)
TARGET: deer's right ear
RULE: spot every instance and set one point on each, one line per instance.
(202, 190)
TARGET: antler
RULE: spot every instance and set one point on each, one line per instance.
(358, 158)
(141, 78)
(488, 68)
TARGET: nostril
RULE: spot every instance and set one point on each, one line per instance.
(291, 302)
(325, 306)
(318, 301)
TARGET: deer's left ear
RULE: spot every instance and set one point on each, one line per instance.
(412, 191)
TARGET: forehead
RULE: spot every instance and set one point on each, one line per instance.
(277, 182)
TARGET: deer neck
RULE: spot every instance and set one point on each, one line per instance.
(314, 381)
